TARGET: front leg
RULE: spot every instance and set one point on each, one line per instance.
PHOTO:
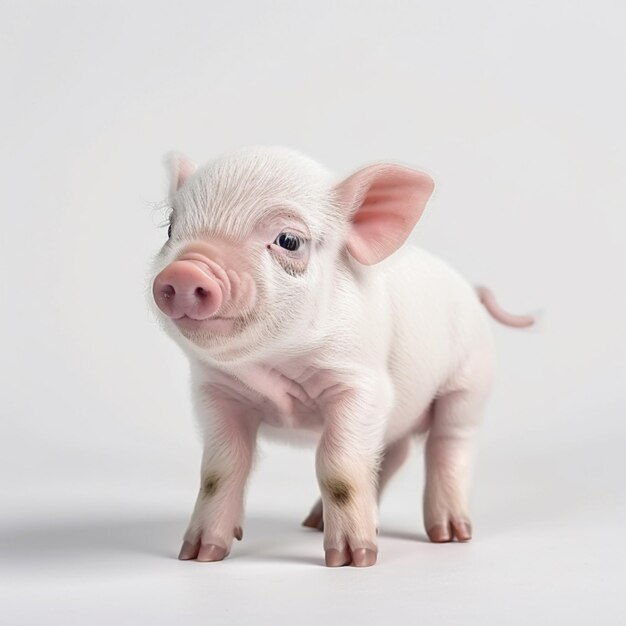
(229, 443)
(347, 465)
(394, 455)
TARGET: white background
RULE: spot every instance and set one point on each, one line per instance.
(516, 108)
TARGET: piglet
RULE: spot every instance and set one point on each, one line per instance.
(301, 318)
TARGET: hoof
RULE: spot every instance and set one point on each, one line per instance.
(363, 557)
(337, 558)
(315, 519)
(189, 551)
(457, 529)
(359, 557)
(210, 552)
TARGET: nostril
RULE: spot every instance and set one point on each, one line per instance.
(168, 292)
(185, 290)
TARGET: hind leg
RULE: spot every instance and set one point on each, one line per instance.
(393, 457)
(448, 451)
(315, 519)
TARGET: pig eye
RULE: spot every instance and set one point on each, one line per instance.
(288, 241)
(169, 231)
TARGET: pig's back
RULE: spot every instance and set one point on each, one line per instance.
(438, 322)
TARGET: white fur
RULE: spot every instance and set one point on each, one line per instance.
(356, 358)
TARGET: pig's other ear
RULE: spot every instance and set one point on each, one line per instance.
(179, 169)
(384, 203)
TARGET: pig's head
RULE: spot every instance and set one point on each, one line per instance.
(256, 238)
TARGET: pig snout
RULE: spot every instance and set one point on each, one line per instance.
(188, 288)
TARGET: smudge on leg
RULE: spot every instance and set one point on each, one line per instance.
(339, 491)
(210, 483)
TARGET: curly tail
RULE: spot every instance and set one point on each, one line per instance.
(499, 314)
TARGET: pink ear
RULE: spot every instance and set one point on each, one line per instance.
(385, 202)
(180, 168)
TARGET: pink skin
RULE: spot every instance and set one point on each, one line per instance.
(499, 314)
(188, 289)
(227, 460)
(393, 457)
(346, 474)
(445, 511)
(209, 285)
(197, 292)
(456, 415)
(391, 201)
